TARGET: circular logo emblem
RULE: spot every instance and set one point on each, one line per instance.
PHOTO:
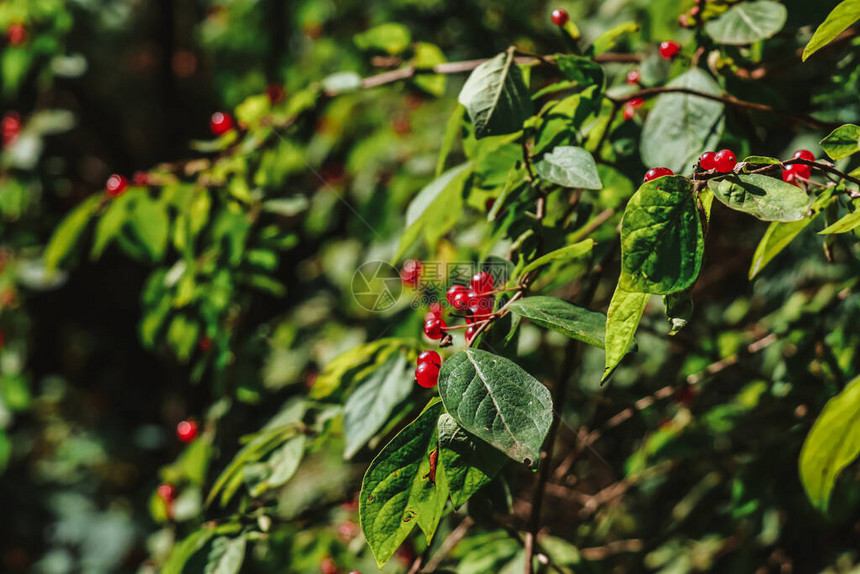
(376, 286)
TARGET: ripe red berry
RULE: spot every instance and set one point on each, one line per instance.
(479, 304)
(451, 296)
(461, 301)
(725, 161)
(431, 357)
(795, 172)
(186, 431)
(435, 328)
(634, 77)
(411, 272)
(17, 34)
(560, 17)
(804, 154)
(427, 375)
(436, 309)
(470, 333)
(116, 185)
(167, 492)
(708, 161)
(140, 178)
(631, 107)
(669, 49)
(482, 282)
(220, 123)
(328, 566)
(10, 127)
(656, 172)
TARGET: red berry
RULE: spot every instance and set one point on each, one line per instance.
(461, 300)
(140, 178)
(725, 161)
(431, 357)
(220, 123)
(634, 77)
(17, 34)
(804, 154)
(560, 17)
(10, 127)
(328, 566)
(656, 172)
(794, 172)
(452, 295)
(435, 328)
(708, 161)
(427, 375)
(479, 304)
(116, 185)
(275, 92)
(669, 49)
(411, 272)
(436, 309)
(470, 333)
(631, 107)
(167, 492)
(482, 282)
(186, 431)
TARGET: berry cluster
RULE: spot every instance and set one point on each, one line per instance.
(411, 272)
(427, 371)
(10, 126)
(723, 161)
(798, 171)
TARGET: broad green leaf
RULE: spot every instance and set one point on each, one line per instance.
(608, 39)
(842, 142)
(497, 401)
(574, 251)
(761, 160)
(553, 313)
(848, 223)
(69, 231)
(622, 320)
(763, 197)
(747, 22)
(368, 407)
(839, 20)
(426, 56)
(226, 555)
(436, 208)
(468, 462)
(832, 444)
(682, 126)
(679, 310)
(403, 487)
(496, 97)
(151, 225)
(183, 551)
(780, 234)
(389, 37)
(110, 223)
(279, 469)
(583, 71)
(569, 166)
(662, 241)
(452, 131)
(332, 376)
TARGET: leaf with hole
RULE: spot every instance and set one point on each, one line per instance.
(496, 400)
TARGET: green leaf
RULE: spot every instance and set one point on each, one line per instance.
(662, 241)
(226, 555)
(848, 223)
(679, 310)
(452, 131)
(496, 97)
(839, 20)
(583, 71)
(426, 56)
(389, 37)
(622, 320)
(436, 208)
(842, 142)
(763, 197)
(182, 552)
(832, 444)
(370, 404)
(287, 206)
(568, 319)
(401, 489)
(151, 225)
(747, 22)
(608, 39)
(761, 160)
(468, 462)
(69, 231)
(495, 400)
(110, 223)
(569, 166)
(574, 251)
(682, 126)
(332, 376)
(278, 469)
